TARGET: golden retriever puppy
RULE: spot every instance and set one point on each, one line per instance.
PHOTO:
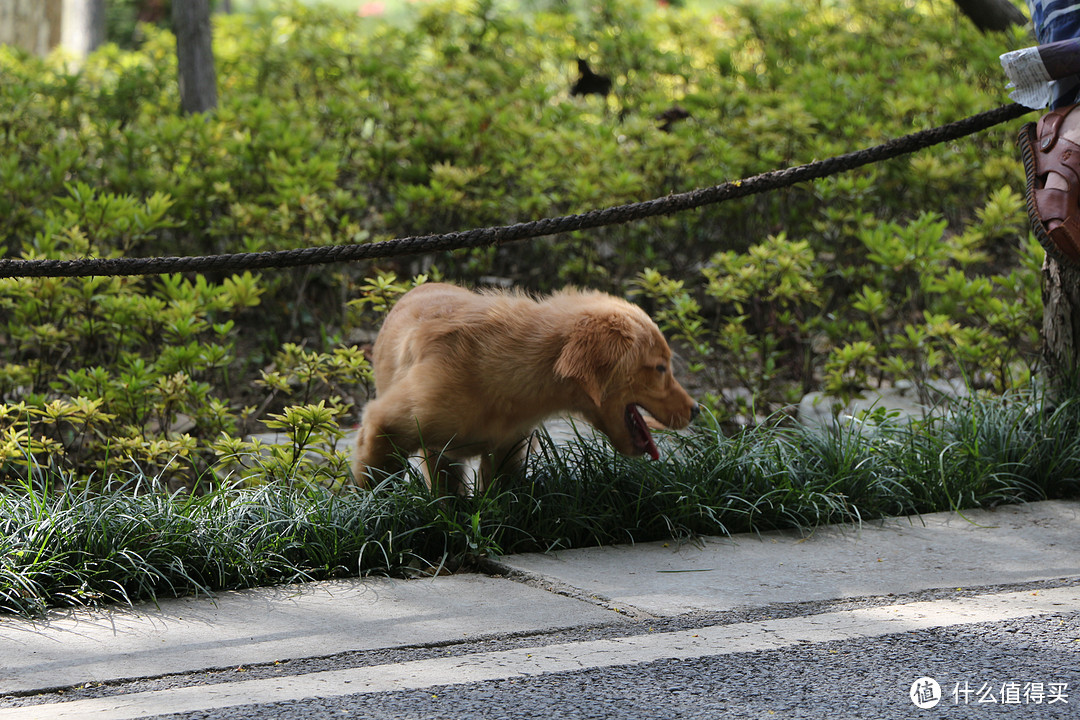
(460, 374)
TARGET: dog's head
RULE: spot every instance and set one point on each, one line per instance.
(620, 360)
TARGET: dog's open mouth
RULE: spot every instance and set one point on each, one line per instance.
(639, 432)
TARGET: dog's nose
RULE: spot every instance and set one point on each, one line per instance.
(695, 411)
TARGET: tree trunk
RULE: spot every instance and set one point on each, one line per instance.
(31, 25)
(96, 25)
(198, 83)
(996, 15)
(1061, 324)
(83, 26)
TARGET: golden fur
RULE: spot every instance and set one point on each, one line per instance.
(461, 374)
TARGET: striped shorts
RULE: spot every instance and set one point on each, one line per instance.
(1056, 20)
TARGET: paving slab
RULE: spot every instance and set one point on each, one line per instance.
(263, 625)
(1012, 544)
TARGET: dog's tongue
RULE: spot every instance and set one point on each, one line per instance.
(639, 431)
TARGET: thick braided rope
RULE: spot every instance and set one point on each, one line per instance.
(521, 231)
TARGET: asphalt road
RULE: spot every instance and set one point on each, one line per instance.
(789, 661)
(986, 670)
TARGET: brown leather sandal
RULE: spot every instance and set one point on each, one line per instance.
(1054, 213)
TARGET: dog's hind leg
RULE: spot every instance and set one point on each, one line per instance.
(373, 453)
(444, 475)
(506, 460)
(379, 447)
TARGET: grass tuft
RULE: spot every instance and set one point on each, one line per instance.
(70, 546)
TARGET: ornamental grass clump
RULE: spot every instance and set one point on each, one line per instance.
(65, 545)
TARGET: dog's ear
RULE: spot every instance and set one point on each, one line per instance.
(596, 346)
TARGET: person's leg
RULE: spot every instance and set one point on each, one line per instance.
(1051, 149)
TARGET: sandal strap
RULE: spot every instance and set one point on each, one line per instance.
(1063, 158)
(1064, 237)
(1050, 127)
(1053, 204)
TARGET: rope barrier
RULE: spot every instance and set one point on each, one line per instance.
(499, 235)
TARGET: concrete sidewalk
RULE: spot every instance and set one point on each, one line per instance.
(541, 593)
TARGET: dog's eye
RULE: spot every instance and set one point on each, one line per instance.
(661, 368)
